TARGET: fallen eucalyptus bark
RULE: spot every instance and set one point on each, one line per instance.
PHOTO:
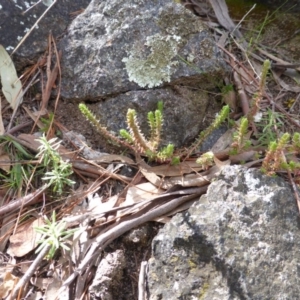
(142, 216)
(22, 202)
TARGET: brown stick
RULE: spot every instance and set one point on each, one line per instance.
(22, 202)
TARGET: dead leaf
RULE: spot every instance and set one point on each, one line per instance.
(294, 74)
(30, 141)
(5, 162)
(138, 194)
(9, 282)
(41, 283)
(149, 174)
(11, 84)
(176, 170)
(49, 285)
(25, 239)
(109, 158)
(143, 191)
(220, 164)
(35, 116)
(166, 218)
(96, 206)
(221, 11)
(244, 156)
(196, 179)
(52, 292)
(229, 98)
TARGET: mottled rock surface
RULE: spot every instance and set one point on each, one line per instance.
(14, 24)
(108, 275)
(119, 46)
(240, 241)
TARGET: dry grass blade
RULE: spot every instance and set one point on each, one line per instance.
(51, 74)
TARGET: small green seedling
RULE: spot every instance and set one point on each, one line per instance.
(54, 234)
(59, 170)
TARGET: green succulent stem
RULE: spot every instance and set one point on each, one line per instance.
(296, 142)
(101, 129)
(134, 129)
(239, 144)
(263, 77)
(222, 116)
(135, 139)
(274, 157)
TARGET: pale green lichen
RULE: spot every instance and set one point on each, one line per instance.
(158, 66)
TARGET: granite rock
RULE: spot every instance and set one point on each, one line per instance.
(119, 46)
(239, 241)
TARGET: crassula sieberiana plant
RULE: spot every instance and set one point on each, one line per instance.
(133, 138)
(149, 147)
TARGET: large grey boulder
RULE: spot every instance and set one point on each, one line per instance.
(15, 23)
(240, 241)
(118, 46)
(133, 54)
